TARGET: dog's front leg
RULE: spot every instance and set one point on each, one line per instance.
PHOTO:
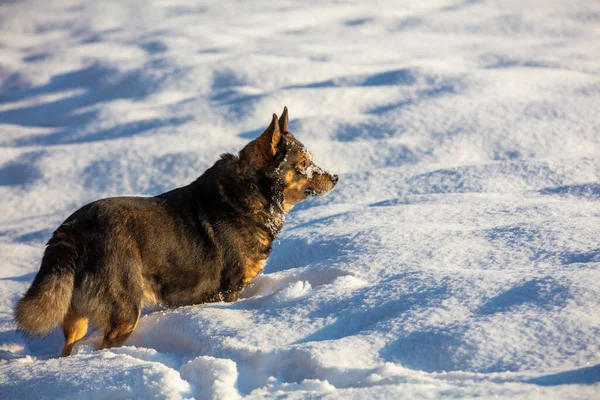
(231, 295)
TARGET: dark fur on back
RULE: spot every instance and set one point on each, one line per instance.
(203, 242)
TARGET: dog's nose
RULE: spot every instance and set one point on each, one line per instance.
(335, 178)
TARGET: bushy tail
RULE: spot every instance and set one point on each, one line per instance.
(47, 301)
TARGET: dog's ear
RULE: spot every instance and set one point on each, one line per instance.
(269, 140)
(283, 120)
(262, 150)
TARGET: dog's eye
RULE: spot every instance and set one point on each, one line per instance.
(303, 164)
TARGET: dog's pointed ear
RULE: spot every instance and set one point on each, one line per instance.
(283, 120)
(269, 140)
(263, 149)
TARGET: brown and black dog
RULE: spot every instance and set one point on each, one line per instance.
(200, 243)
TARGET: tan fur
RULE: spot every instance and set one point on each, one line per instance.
(262, 239)
(293, 193)
(251, 270)
(150, 297)
(74, 328)
(288, 177)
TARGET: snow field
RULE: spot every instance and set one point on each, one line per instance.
(457, 257)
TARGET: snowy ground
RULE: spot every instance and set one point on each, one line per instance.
(458, 257)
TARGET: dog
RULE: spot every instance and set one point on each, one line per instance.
(200, 243)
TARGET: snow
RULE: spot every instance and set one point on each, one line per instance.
(458, 255)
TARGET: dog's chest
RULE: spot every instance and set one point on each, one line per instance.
(254, 263)
(251, 269)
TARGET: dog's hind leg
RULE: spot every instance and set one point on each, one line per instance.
(120, 326)
(120, 301)
(74, 327)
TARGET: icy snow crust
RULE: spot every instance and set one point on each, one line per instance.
(458, 256)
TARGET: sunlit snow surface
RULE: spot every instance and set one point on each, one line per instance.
(459, 256)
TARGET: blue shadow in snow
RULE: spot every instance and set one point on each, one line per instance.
(252, 134)
(36, 236)
(211, 50)
(21, 171)
(408, 23)
(357, 21)
(437, 89)
(44, 347)
(154, 47)
(515, 236)
(387, 78)
(498, 61)
(21, 278)
(48, 346)
(583, 257)
(441, 181)
(36, 57)
(295, 253)
(512, 234)
(588, 191)
(545, 293)
(366, 310)
(371, 130)
(460, 5)
(227, 97)
(581, 376)
(400, 201)
(433, 350)
(15, 174)
(70, 115)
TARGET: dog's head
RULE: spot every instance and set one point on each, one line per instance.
(282, 159)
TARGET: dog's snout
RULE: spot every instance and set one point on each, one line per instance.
(335, 178)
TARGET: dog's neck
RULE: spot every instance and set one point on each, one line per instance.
(245, 192)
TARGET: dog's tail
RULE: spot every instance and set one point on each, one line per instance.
(47, 301)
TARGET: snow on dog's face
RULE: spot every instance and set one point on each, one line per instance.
(301, 176)
(287, 164)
